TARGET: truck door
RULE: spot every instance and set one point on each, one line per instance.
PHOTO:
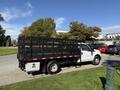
(86, 54)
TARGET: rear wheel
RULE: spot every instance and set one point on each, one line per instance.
(53, 67)
(96, 60)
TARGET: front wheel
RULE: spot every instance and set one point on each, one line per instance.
(96, 60)
(53, 67)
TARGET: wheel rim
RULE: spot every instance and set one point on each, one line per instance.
(97, 60)
(54, 68)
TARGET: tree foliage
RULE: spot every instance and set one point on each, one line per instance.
(63, 35)
(82, 32)
(2, 36)
(2, 33)
(8, 40)
(4, 40)
(117, 38)
(46, 27)
(13, 42)
(42, 27)
(1, 18)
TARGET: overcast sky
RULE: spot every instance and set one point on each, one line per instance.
(21, 13)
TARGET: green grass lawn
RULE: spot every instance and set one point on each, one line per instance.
(90, 79)
(7, 51)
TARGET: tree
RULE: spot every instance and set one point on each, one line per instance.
(77, 30)
(63, 35)
(77, 27)
(82, 32)
(92, 32)
(1, 18)
(42, 27)
(2, 36)
(14, 42)
(4, 40)
(117, 37)
(8, 40)
(2, 33)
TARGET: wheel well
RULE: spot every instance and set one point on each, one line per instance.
(48, 67)
(98, 56)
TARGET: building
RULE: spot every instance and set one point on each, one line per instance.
(100, 37)
(61, 31)
(112, 35)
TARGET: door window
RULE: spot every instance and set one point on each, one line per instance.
(85, 47)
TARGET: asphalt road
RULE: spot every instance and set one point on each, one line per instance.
(10, 73)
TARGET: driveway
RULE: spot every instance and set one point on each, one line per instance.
(10, 73)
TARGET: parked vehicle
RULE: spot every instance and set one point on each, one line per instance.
(103, 49)
(100, 46)
(114, 49)
(96, 45)
(49, 54)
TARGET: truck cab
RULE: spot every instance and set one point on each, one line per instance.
(89, 54)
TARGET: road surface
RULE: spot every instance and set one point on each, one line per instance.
(10, 73)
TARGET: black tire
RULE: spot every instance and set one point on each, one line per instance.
(96, 60)
(53, 67)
